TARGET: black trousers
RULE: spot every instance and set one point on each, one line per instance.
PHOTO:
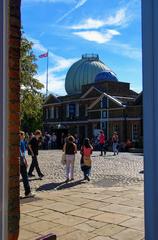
(23, 172)
(35, 165)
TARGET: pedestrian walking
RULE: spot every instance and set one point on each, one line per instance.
(115, 141)
(23, 165)
(101, 142)
(86, 151)
(33, 151)
(54, 141)
(70, 149)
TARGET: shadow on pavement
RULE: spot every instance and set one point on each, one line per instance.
(60, 186)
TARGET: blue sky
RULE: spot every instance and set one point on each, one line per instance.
(70, 28)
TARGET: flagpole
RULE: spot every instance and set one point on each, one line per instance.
(47, 74)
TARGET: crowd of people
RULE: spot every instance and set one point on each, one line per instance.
(70, 144)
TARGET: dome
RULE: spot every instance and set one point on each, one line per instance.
(84, 72)
(106, 75)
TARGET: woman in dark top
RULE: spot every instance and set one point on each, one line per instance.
(70, 149)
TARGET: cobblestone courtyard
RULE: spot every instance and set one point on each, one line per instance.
(109, 170)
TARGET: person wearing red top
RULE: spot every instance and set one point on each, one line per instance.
(101, 142)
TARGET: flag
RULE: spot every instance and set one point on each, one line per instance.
(44, 55)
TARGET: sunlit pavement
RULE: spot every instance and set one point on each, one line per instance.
(110, 206)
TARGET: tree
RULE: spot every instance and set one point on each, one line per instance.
(30, 96)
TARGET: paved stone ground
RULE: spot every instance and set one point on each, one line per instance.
(108, 207)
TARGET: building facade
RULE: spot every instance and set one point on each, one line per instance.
(97, 101)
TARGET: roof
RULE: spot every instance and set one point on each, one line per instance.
(52, 99)
(106, 75)
(83, 72)
(106, 95)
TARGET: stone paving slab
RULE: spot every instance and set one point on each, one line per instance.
(135, 223)
(39, 226)
(68, 220)
(129, 234)
(62, 207)
(97, 205)
(26, 219)
(27, 235)
(38, 213)
(129, 211)
(109, 230)
(77, 235)
(85, 213)
(113, 217)
(101, 238)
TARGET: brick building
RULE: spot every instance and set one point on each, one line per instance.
(96, 100)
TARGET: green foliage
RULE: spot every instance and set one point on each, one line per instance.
(30, 96)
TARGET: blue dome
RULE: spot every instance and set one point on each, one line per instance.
(84, 72)
(106, 75)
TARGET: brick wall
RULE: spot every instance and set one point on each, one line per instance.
(14, 120)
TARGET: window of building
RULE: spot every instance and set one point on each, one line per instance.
(134, 132)
(116, 128)
(47, 113)
(72, 110)
(77, 109)
(67, 110)
(86, 110)
(104, 125)
(104, 114)
(104, 102)
(57, 112)
(52, 112)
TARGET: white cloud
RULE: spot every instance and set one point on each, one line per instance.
(98, 37)
(119, 19)
(55, 84)
(36, 44)
(78, 5)
(89, 23)
(126, 50)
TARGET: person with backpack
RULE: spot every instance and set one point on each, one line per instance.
(70, 149)
(86, 151)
